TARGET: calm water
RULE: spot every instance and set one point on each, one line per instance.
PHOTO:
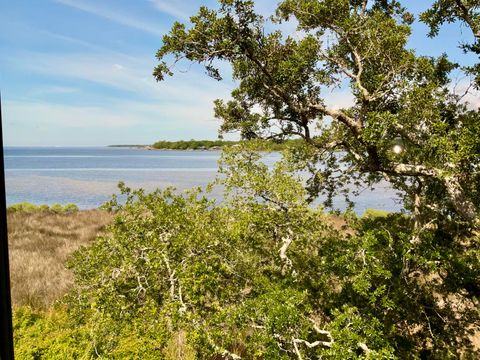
(89, 176)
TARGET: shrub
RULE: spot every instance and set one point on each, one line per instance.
(49, 335)
(70, 208)
(24, 207)
(57, 208)
(31, 208)
(375, 213)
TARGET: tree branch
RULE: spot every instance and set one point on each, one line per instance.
(465, 15)
(286, 241)
(339, 115)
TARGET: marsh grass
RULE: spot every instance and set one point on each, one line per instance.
(39, 244)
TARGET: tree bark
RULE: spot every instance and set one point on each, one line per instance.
(463, 206)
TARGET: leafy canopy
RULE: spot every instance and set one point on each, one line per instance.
(400, 98)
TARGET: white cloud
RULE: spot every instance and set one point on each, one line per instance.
(114, 16)
(473, 100)
(120, 113)
(72, 40)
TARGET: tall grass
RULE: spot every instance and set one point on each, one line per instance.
(39, 245)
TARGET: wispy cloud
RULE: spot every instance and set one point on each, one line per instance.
(114, 16)
(169, 8)
(60, 115)
(123, 73)
(47, 123)
(73, 40)
(53, 89)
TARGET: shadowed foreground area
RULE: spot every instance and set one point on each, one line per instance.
(40, 243)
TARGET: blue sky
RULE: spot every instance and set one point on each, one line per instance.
(78, 72)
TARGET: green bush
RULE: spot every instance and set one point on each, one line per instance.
(54, 335)
(49, 335)
(56, 208)
(43, 207)
(26, 207)
(70, 208)
(375, 213)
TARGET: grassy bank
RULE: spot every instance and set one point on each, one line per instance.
(40, 242)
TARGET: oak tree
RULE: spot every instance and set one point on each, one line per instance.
(405, 124)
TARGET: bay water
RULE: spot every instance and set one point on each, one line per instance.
(89, 176)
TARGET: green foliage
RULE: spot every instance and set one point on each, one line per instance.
(56, 208)
(398, 95)
(466, 11)
(261, 278)
(218, 144)
(56, 335)
(70, 208)
(26, 207)
(375, 213)
(42, 335)
(192, 144)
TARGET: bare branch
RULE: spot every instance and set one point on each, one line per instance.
(358, 76)
(364, 348)
(339, 115)
(286, 241)
(171, 275)
(411, 170)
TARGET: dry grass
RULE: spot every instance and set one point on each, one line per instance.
(39, 244)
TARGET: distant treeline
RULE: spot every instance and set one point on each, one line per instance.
(266, 145)
(192, 144)
(216, 144)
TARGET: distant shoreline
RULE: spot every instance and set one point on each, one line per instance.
(204, 145)
(149, 147)
(181, 145)
(128, 146)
